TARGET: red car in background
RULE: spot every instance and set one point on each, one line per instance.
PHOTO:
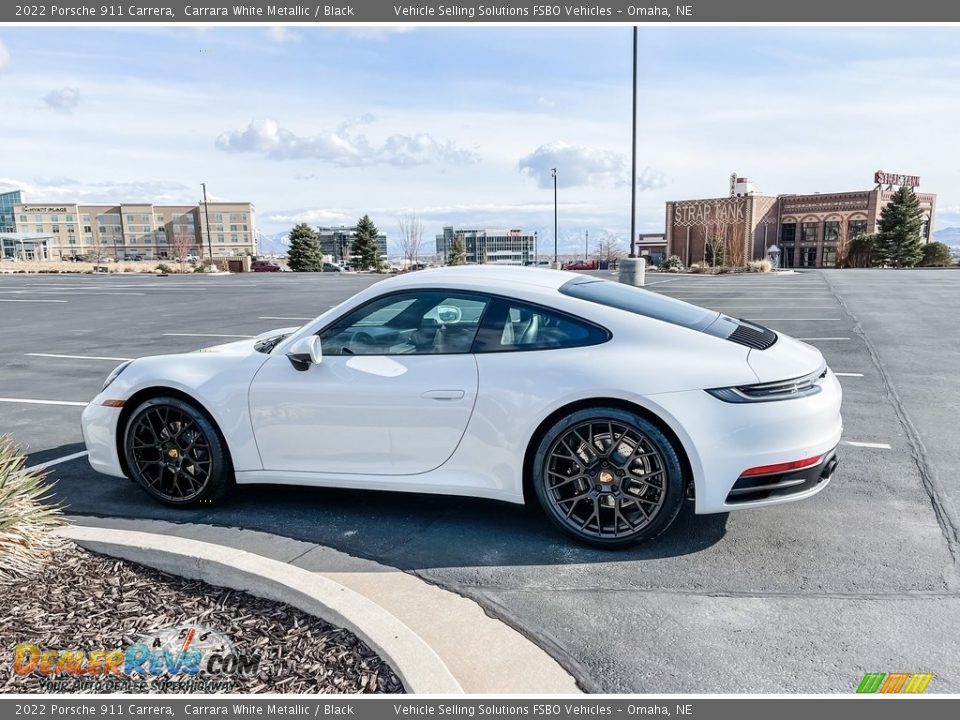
(264, 266)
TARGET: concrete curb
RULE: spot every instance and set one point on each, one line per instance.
(414, 661)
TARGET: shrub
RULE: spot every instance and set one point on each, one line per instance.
(759, 266)
(672, 264)
(695, 268)
(936, 254)
(863, 252)
(26, 520)
(164, 268)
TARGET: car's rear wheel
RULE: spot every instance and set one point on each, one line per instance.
(174, 452)
(608, 477)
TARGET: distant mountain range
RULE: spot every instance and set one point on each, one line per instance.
(948, 236)
(275, 244)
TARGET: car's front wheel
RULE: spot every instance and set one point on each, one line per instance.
(174, 452)
(608, 477)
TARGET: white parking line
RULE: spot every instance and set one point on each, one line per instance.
(808, 339)
(32, 301)
(206, 335)
(270, 317)
(76, 357)
(31, 401)
(51, 463)
(874, 446)
(778, 319)
(848, 374)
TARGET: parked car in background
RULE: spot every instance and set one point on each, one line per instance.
(331, 267)
(133, 258)
(264, 266)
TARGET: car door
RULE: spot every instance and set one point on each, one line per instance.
(392, 395)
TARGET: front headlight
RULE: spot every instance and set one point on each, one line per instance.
(115, 374)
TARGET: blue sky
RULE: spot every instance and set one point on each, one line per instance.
(461, 124)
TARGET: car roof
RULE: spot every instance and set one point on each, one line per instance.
(481, 276)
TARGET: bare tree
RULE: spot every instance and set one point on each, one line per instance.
(610, 248)
(180, 244)
(411, 237)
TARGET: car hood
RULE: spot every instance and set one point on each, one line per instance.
(246, 346)
(787, 358)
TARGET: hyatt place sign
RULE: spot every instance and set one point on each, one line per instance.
(43, 209)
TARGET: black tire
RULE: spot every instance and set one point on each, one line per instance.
(608, 477)
(175, 453)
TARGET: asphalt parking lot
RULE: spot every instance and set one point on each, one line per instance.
(800, 598)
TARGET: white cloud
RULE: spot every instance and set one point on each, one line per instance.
(66, 189)
(546, 103)
(581, 165)
(281, 34)
(4, 57)
(64, 100)
(343, 147)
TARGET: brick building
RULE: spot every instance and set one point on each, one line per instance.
(809, 229)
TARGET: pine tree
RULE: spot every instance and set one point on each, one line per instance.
(899, 243)
(364, 246)
(304, 253)
(458, 251)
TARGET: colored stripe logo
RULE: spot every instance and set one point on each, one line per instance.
(894, 682)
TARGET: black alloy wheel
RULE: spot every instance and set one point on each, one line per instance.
(174, 452)
(608, 477)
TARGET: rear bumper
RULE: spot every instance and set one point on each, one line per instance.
(748, 490)
(724, 440)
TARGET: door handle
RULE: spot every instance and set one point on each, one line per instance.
(444, 394)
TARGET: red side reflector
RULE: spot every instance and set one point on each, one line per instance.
(113, 403)
(783, 467)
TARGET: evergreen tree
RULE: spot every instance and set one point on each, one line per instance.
(458, 251)
(899, 243)
(364, 247)
(304, 253)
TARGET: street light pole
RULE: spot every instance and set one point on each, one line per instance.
(633, 173)
(206, 216)
(586, 243)
(536, 248)
(553, 171)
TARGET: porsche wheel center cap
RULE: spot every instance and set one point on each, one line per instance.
(605, 477)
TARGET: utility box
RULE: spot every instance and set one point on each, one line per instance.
(632, 271)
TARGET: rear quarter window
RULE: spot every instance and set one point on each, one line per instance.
(641, 302)
(513, 326)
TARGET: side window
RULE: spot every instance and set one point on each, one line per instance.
(515, 326)
(415, 323)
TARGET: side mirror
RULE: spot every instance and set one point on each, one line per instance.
(305, 352)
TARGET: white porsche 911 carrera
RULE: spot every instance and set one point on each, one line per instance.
(609, 404)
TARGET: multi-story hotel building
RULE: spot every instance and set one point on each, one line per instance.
(51, 231)
(494, 247)
(808, 229)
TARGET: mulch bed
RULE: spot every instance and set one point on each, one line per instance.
(84, 601)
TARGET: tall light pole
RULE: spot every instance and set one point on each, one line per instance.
(586, 243)
(536, 248)
(633, 172)
(553, 171)
(206, 216)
